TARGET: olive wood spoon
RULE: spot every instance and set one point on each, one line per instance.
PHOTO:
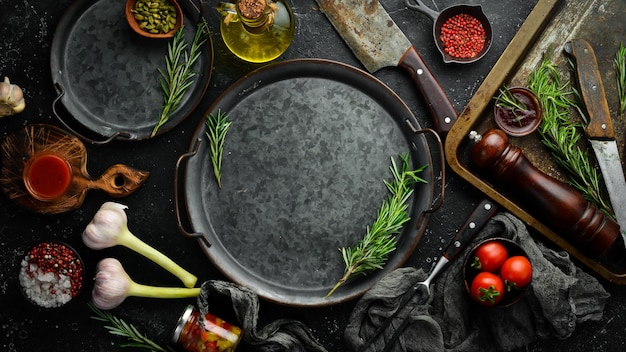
(21, 145)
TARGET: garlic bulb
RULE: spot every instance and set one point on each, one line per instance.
(113, 285)
(109, 227)
(11, 98)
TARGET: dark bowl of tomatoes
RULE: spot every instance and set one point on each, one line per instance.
(497, 272)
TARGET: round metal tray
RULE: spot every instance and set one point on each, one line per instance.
(303, 173)
(106, 74)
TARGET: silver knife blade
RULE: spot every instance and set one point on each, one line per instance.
(608, 158)
(599, 130)
(368, 30)
(377, 42)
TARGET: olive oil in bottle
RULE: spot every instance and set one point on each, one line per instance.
(257, 30)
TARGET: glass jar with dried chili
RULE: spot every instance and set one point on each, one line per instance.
(208, 333)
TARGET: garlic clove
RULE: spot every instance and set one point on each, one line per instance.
(11, 98)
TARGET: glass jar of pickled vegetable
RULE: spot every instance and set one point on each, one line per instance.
(205, 334)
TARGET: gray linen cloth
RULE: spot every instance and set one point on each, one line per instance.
(279, 335)
(560, 297)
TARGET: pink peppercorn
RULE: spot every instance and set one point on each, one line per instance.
(463, 36)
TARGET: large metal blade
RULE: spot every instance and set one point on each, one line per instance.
(377, 42)
(369, 31)
(608, 158)
(599, 130)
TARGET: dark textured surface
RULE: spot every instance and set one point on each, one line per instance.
(93, 39)
(28, 28)
(304, 162)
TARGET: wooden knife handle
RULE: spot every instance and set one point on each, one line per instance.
(474, 224)
(591, 89)
(556, 204)
(443, 113)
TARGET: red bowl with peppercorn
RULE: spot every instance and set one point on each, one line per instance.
(51, 274)
(497, 272)
(462, 33)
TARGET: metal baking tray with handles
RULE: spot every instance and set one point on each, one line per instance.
(303, 171)
(549, 26)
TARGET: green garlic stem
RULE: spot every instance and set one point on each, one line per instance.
(127, 239)
(145, 291)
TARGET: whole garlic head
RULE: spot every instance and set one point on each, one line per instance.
(11, 98)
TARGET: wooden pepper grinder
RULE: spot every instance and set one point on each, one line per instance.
(556, 204)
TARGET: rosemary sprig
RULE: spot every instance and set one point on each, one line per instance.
(178, 75)
(561, 135)
(380, 239)
(507, 100)
(620, 76)
(217, 127)
(119, 327)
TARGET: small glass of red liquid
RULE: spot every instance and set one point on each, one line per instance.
(47, 176)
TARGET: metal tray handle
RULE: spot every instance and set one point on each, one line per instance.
(114, 136)
(437, 201)
(177, 202)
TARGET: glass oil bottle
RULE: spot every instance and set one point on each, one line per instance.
(257, 31)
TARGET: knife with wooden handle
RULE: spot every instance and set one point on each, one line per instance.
(600, 131)
(556, 204)
(377, 42)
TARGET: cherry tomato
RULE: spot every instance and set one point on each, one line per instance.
(490, 256)
(516, 272)
(487, 289)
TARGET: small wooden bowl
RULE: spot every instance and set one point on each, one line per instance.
(134, 24)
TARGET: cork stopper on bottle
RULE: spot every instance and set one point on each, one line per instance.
(251, 9)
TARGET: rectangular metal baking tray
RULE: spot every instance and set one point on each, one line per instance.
(548, 27)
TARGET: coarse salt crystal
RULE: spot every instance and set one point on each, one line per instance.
(39, 286)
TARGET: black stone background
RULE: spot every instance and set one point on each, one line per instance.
(26, 32)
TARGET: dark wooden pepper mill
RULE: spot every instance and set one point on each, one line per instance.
(556, 204)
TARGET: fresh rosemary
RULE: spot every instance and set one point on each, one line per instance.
(620, 76)
(561, 135)
(217, 127)
(178, 75)
(118, 327)
(380, 239)
(507, 100)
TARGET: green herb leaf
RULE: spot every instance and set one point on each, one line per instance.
(371, 253)
(507, 100)
(118, 327)
(217, 127)
(620, 76)
(561, 134)
(179, 74)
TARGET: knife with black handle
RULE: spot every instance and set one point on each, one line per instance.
(474, 223)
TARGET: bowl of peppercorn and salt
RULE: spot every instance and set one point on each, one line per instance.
(51, 274)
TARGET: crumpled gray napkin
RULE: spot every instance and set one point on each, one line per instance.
(279, 335)
(560, 297)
